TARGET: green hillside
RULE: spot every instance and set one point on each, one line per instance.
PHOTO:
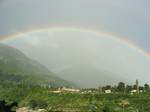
(15, 67)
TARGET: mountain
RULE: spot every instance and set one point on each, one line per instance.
(17, 67)
(88, 74)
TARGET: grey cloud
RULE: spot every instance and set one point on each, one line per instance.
(128, 18)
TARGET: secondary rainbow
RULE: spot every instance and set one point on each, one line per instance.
(81, 29)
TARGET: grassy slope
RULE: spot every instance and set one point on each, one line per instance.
(15, 66)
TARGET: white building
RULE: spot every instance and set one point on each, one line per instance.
(108, 91)
(64, 89)
(133, 91)
(70, 89)
(57, 91)
(141, 91)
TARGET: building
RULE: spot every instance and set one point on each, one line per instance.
(108, 91)
(70, 89)
(133, 91)
(64, 89)
(57, 91)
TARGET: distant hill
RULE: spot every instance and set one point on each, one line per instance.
(88, 74)
(17, 67)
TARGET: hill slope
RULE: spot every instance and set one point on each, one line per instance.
(17, 67)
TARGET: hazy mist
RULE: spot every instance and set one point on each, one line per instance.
(85, 58)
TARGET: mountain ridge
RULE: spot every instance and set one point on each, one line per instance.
(16, 66)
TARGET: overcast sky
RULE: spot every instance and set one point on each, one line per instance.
(129, 18)
(72, 54)
(56, 48)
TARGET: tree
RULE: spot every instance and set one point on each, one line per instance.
(106, 108)
(146, 86)
(141, 88)
(108, 87)
(121, 87)
(134, 87)
(37, 104)
(7, 108)
(128, 88)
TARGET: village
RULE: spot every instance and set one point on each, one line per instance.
(105, 98)
(108, 89)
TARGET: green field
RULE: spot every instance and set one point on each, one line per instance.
(36, 97)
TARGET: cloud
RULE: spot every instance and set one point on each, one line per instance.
(117, 16)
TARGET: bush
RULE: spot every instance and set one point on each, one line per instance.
(106, 109)
(37, 104)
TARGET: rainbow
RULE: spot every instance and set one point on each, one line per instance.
(81, 29)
